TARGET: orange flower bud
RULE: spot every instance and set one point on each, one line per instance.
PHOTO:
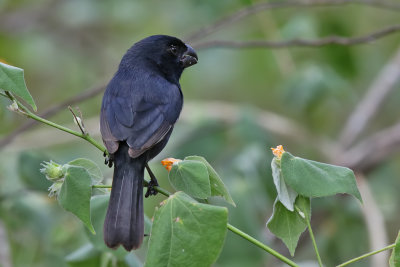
(278, 151)
(168, 162)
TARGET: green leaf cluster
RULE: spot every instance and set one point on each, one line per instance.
(297, 180)
(184, 233)
(73, 186)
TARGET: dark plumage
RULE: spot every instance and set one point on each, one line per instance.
(141, 104)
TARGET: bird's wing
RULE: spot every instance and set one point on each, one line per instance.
(140, 113)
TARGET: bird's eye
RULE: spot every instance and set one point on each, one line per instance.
(173, 49)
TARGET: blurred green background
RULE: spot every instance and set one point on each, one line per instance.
(67, 47)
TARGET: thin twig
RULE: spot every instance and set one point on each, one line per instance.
(50, 112)
(374, 220)
(78, 120)
(259, 7)
(372, 150)
(310, 231)
(330, 40)
(261, 245)
(24, 110)
(366, 255)
(383, 84)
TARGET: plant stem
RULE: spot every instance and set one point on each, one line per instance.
(261, 245)
(366, 255)
(31, 115)
(313, 241)
(306, 219)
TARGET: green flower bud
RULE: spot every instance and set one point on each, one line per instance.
(52, 170)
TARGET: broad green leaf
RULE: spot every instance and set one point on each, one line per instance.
(98, 210)
(91, 167)
(186, 233)
(12, 79)
(315, 179)
(75, 194)
(288, 225)
(218, 187)
(286, 195)
(191, 177)
(394, 260)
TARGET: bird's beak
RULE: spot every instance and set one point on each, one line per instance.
(189, 58)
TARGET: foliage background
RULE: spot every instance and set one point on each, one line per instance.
(67, 47)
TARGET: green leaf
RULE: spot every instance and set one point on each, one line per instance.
(186, 233)
(288, 225)
(98, 210)
(394, 260)
(286, 195)
(315, 179)
(191, 177)
(91, 167)
(218, 187)
(12, 79)
(75, 194)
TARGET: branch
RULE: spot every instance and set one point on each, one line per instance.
(50, 112)
(367, 255)
(330, 40)
(25, 111)
(260, 245)
(374, 221)
(372, 150)
(259, 7)
(384, 83)
(225, 112)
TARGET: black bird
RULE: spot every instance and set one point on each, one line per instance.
(140, 106)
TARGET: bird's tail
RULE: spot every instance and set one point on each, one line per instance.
(124, 223)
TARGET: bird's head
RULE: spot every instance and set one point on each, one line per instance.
(166, 53)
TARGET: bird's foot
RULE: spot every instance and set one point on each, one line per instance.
(109, 159)
(151, 188)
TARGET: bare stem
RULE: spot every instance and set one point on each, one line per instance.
(261, 245)
(24, 110)
(367, 255)
(306, 219)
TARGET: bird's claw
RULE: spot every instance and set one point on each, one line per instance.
(151, 188)
(109, 160)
